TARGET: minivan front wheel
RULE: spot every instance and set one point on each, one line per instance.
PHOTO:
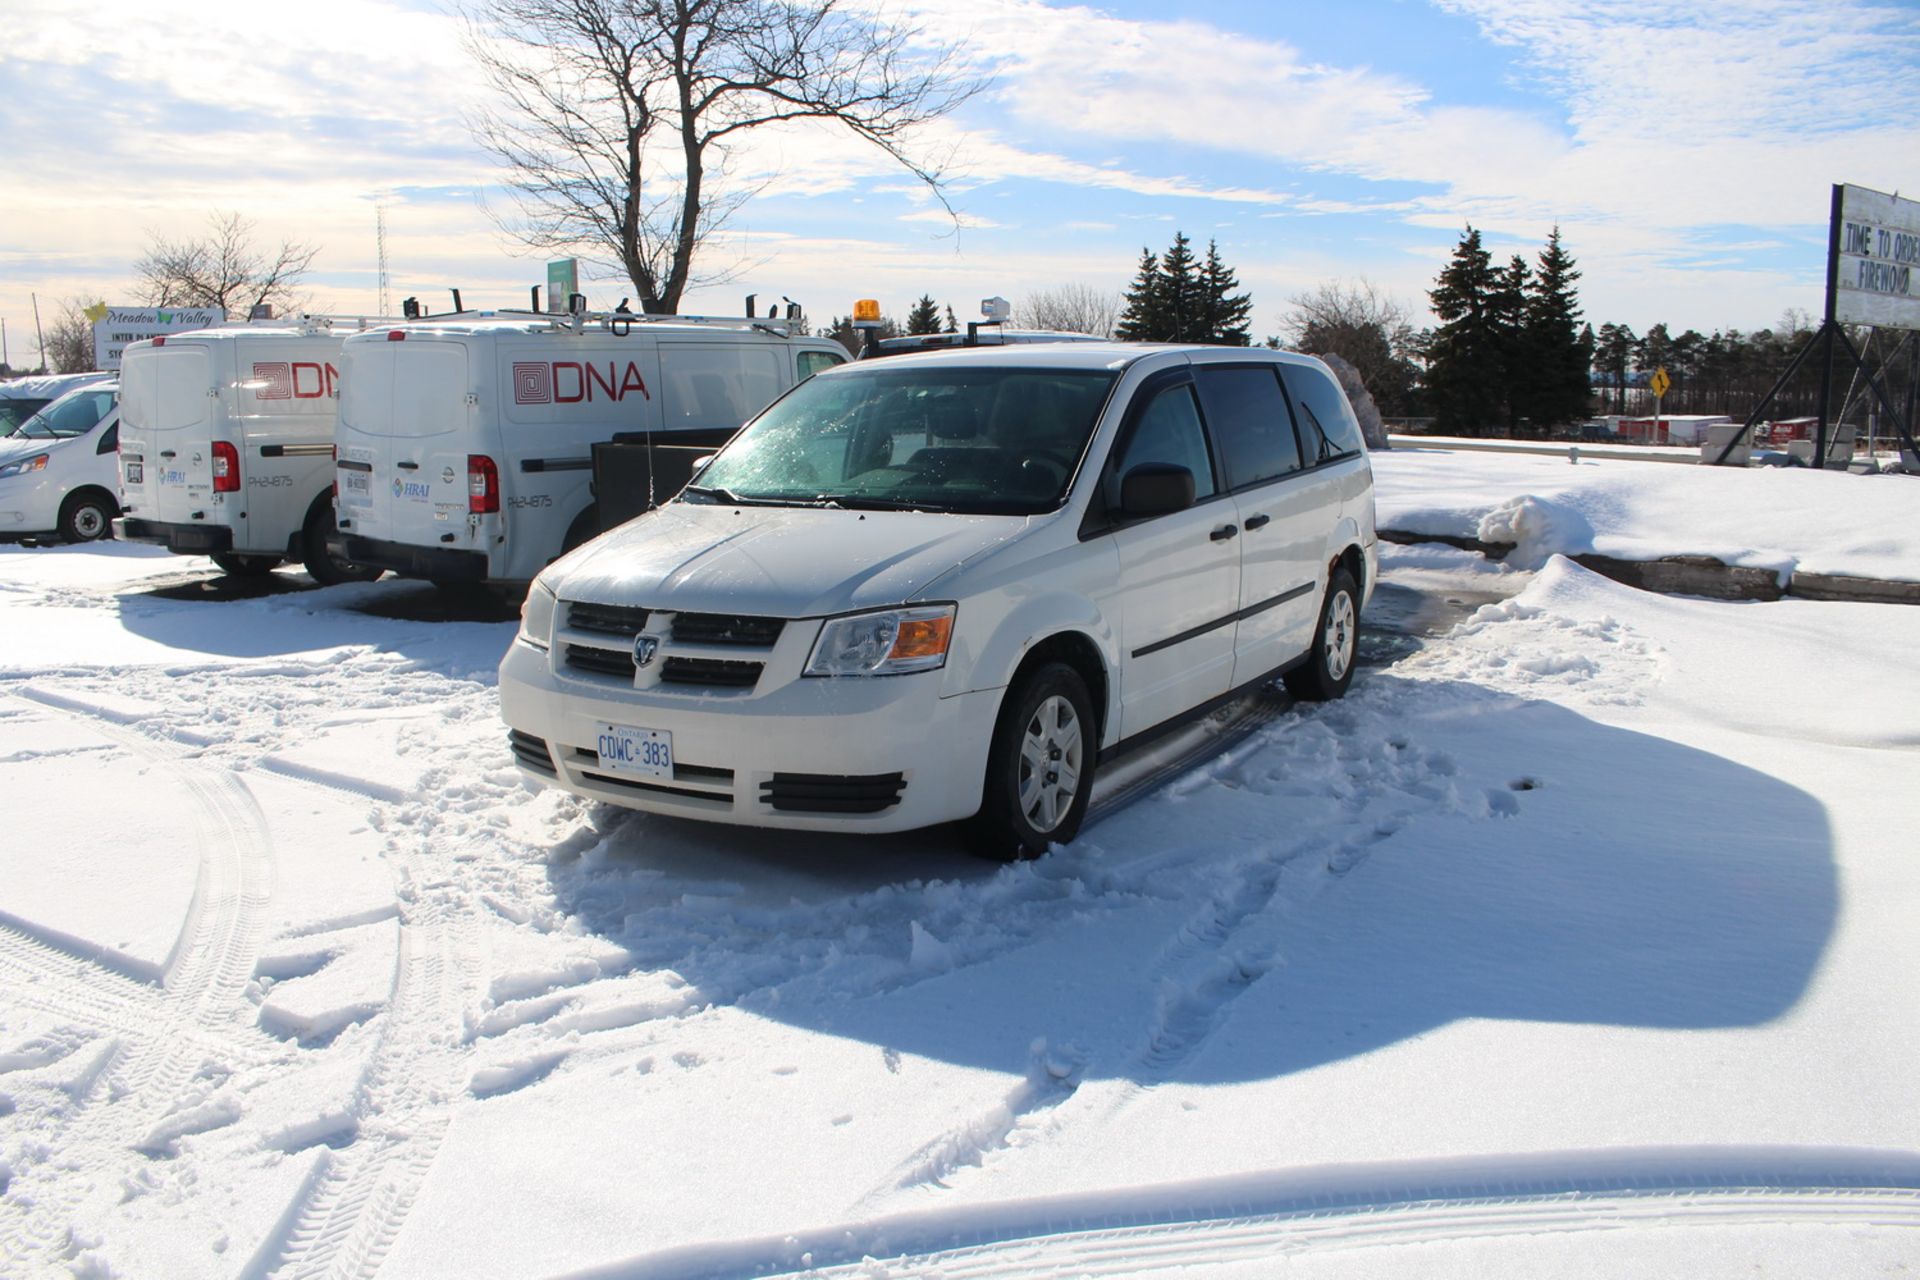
(1328, 669)
(1039, 767)
(87, 516)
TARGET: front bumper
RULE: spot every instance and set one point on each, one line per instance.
(441, 564)
(858, 754)
(181, 539)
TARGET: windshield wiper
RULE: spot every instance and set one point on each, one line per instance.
(857, 502)
(713, 493)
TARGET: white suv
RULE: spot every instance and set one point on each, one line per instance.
(944, 587)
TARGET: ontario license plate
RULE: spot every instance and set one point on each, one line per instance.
(645, 752)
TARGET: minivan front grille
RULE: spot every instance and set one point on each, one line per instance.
(606, 619)
(832, 792)
(721, 628)
(603, 662)
(531, 752)
(711, 671)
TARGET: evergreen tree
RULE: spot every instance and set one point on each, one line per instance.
(1141, 321)
(1507, 320)
(1557, 353)
(953, 325)
(1226, 313)
(1613, 352)
(1464, 354)
(925, 316)
(1183, 304)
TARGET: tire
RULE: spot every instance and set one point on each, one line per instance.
(1328, 669)
(1046, 729)
(87, 516)
(322, 565)
(239, 566)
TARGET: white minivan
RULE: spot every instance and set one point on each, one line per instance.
(227, 444)
(58, 467)
(465, 445)
(945, 587)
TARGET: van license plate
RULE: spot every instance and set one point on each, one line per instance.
(646, 752)
(136, 473)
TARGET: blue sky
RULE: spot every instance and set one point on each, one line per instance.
(1685, 151)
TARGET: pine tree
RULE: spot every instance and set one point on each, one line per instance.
(953, 325)
(1182, 303)
(1464, 354)
(1613, 356)
(925, 316)
(1141, 320)
(1225, 312)
(1557, 354)
(1507, 318)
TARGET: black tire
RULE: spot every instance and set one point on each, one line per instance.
(87, 516)
(322, 565)
(239, 566)
(1046, 720)
(1328, 669)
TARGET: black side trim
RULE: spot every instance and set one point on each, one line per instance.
(1239, 614)
(556, 464)
(301, 451)
(1205, 709)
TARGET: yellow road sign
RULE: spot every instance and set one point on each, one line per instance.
(1659, 383)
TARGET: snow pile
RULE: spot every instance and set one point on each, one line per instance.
(1786, 520)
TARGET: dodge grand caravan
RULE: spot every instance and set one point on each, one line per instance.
(942, 588)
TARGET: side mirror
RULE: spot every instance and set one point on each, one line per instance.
(1155, 489)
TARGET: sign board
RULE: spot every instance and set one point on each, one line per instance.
(1876, 249)
(563, 281)
(122, 325)
(1659, 383)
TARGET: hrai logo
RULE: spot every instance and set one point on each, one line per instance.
(294, 380)
(416, 490)
(575, 382)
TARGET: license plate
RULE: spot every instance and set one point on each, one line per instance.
(356, 487)
(645, 752)
(136, 473)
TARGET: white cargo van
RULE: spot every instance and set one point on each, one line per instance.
(465, 445)
(21, 398)
(57, 468)
(227, 444)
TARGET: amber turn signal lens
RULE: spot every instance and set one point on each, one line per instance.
(922, 638)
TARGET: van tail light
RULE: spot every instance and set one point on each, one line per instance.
(483, 485)
(226, 468)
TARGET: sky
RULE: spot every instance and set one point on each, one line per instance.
(1686, 152)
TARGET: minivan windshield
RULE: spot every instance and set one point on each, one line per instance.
(961, 438)
(73, 414)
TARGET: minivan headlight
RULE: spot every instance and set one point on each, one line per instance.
(38, 462)
(536, 615)
(888, 642)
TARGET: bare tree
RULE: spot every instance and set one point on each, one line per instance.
(1071, 308)
(1364, 326)
(70, 338)
(617, 116)
(223, 268)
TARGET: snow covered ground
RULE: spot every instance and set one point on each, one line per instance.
(1577, 940)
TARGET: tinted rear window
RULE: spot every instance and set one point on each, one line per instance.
(1248, 417)
(1324, 407)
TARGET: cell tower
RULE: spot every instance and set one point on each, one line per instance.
(380, 233)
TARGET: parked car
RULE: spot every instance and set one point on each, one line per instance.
(21, 398)
(58, 468)
(465, 446)
(943, 587)
(227, 445)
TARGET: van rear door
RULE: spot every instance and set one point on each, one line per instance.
(405, 432)
(167, 396)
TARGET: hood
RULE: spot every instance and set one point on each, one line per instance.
(12, 450)
(778, 562)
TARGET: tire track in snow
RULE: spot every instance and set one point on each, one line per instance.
(201, 1001)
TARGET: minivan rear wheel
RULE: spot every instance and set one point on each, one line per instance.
(1328, 669)
(1039, 767)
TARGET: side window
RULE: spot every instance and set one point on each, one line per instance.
(812, 362)
(1170, 432)
(1250, 422)
(718, 385)
(109, 440)
(1324, 408)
